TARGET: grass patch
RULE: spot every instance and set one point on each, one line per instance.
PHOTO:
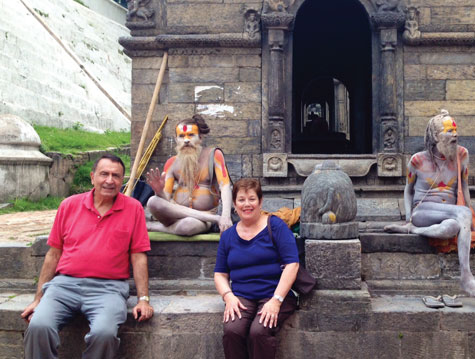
(23, 205)
(82, 3)
(75, 140)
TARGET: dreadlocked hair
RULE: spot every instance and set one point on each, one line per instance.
(431, 132)
(199, 121)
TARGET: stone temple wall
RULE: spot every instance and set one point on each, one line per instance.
(441, 75)
(229, 84)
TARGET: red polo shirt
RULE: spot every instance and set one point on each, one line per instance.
(98, 246)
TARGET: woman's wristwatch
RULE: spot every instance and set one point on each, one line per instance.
(278, 297)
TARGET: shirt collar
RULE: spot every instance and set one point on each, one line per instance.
(117, 206)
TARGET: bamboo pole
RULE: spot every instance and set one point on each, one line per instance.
(151, 108)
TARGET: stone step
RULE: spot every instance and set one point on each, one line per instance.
(334, 324)
(384, 257)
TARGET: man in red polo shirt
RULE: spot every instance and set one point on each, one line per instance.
(94, 236)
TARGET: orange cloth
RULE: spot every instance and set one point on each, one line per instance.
(450, 245)
(289, 216)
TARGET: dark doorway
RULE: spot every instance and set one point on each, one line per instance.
(332, 79)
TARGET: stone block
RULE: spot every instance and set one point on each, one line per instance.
(240, 111)
(336, 264)
(378, 209)
(453, 14)
(246, 166)
(415, 72)
(452, 58)
(142, 94)
(215, 17)
(451, 72)
(257, 165)
(217, 60)
(174, 267)
(243, 92)
(204, 74)
(429, 108)
(394, 242)
(400, 266)
(209, 93)
(272, 204)
(148, 63)
(12, 345)
(145, 76)
(249, 74)
(228, 127)
(248, 60)
(460, 89)
(346, 230)
(461, 321)
(332, 345)
(233, 145)
(438, 344)
(424, 90)
(181, 92)
(185, 248)
(254, 128)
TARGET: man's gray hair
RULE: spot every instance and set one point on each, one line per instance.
(432, 130)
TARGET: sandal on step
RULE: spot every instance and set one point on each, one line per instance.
(433, 302)
(452, 301)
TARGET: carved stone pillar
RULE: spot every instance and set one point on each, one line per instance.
(388, 19)
(277, 24)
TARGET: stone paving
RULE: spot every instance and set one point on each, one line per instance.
(22, 228)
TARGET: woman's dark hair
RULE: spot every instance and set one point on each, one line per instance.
(247, 184)
(110, 157)
(197, 120)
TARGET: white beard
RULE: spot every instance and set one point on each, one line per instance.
(188, 157)
(448, 149)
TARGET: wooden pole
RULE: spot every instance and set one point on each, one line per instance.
(151, 108)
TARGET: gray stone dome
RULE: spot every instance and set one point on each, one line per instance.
(15, 131)
(23, 168)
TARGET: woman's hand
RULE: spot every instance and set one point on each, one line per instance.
(270, 313)
(233, 306)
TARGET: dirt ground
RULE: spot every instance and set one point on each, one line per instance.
(24, 227)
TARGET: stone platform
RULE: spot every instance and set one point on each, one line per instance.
(384, 319)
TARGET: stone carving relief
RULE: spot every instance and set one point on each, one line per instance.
(277, 5)
(139, 14)
(411, 26)
(390, 14)
(389, 165)
(276, 140)
(389, 5)
(252, 24)
(275, 164)
(390, 139)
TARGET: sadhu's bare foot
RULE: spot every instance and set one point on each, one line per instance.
(468, 285)
(398, 228)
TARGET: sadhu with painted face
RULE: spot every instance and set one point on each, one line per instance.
(202, 180)
(431, 193)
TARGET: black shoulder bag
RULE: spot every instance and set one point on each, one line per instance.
(304, 282)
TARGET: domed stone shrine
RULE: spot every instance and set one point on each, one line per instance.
(23, 168)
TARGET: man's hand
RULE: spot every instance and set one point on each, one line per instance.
(224, 223)
(142, 311)
(156, 180)
(29, 310)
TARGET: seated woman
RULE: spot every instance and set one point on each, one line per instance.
(259, 300)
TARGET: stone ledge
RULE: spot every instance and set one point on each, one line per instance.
(190, 327)
(394, 242)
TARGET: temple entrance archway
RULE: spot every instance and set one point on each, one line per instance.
(332, 79)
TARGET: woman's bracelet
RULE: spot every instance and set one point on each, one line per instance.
(226, 293)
